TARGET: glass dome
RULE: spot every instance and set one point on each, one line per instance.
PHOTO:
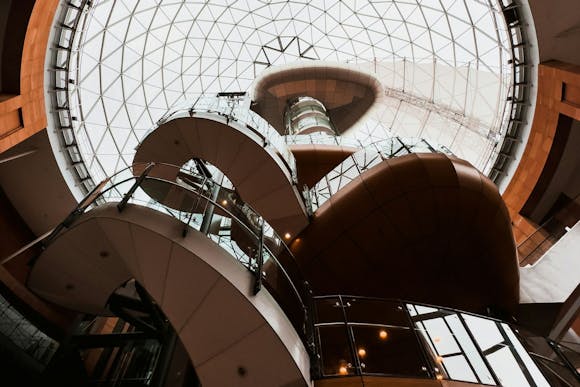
(444, 65)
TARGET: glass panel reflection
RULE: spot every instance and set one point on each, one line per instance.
(458, 369)
(335, 353)
(375, 312)
(391, 338)
(506, 368)
(469, 350)
(329, 310)
(380, 351)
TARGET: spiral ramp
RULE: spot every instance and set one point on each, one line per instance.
(204, 293)
(257, 171)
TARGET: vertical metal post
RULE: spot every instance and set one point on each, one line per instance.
(259, 261)
(429, 365)
(516, 355)
(310, 331)
(434, 80)
(462, 350)
(208, 215)
(164, 360)
(563, 358)
(481, 354)
(194, 207)
(351, 341)
(121, 205)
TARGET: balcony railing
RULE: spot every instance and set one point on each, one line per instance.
(234, 110)
(370, 336)
(531, 249)
(217, 212)
(365, 159)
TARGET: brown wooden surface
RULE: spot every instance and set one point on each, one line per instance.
(21, 116)
(31, 98)
(552, 101)
(420, 227)
(314, 161)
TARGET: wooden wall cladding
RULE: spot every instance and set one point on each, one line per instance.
(28, 106)
(558, 93)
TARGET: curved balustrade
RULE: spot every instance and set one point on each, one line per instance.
(320, 138)
(246, 149)
(222, 216)
(365, 159)
(370, 336)
(234, 108)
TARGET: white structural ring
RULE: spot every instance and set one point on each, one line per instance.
(203, 291)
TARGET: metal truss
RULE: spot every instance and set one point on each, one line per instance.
(120, 66)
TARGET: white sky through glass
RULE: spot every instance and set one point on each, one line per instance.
(443, 64)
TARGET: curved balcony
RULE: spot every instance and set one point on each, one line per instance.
(233, 108)
(205, 267)
(363, 160)
(251, 154)
(320, 138)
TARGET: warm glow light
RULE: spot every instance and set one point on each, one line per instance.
(224, 202)
(287, 235)
(439, 377)
(342, 370)
(383, 334)
(437, 339)
(439, 359)
(362, 352)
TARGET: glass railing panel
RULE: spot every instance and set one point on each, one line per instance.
(474, 359)
(376, 312)
(506, 368)
(329, 310)
(441, 336)
(416, 310)
(485, 331)
(281, 280)
(365, 159)
(381, 354)
(234, 237)
(504, 353)
(336, 355)
(457, 368)
(237, 110)
(441, 343)
(524, 357)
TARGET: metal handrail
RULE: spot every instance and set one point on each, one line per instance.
(99, 195)
(433, 367)
(322, 190)
(234, 112)
(546, 227)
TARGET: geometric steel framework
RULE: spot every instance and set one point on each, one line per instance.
(119, 66)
